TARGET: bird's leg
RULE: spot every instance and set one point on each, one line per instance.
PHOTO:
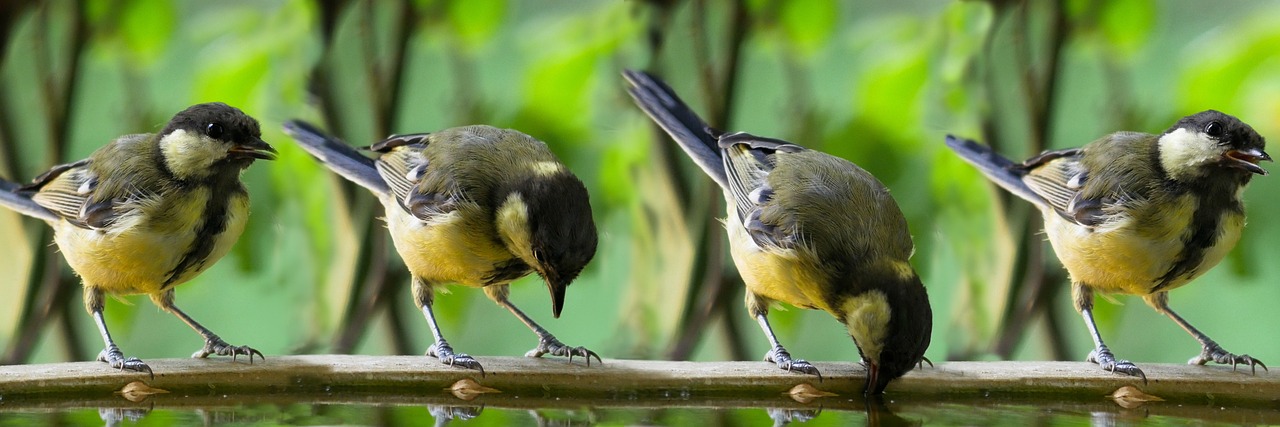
(1101, 354)
(212, 343)
(547, 343)
(94, 302)
(759, 308)
(424, 296)
(1210, 350)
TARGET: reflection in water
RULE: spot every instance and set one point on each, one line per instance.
(443, 414)
(782, 417)
(546, 418)
(115, 416)
(384, 410)
(879, 415)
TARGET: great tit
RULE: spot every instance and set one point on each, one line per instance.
(477, 206)
(149, 212)
(1139, 214)
(812, 230)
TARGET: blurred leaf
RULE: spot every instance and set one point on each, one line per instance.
(476, 21)
(967, 24)
(147, 26)
(1127, 24)
(809, 24)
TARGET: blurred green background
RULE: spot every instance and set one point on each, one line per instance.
(877, 82)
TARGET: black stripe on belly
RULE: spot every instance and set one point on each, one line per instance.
(216, 215)
(1206, 228)
(506, 272)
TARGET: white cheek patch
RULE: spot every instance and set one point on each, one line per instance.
(513, 226)
(867, 318)
(190, 155)
(1182, 152)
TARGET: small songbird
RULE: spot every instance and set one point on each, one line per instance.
(1139, 214)
(477, 206)
(149, 212)
(812, 230)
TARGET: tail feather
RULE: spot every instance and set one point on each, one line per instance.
(685, 127)
(1001, 170)
(337, 156)
(11, 198)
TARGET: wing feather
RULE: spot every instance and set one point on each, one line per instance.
(404, 167)
(748, 160)
(67, 190)
(1059, 177)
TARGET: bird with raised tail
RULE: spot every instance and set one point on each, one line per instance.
(476, 206)
(811, 230)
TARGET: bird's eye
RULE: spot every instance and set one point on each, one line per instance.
(214, 130)
(1213, 129)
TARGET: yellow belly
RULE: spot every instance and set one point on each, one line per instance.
(779, 276)
(138, 258)
(447, 250)
(1130, 259)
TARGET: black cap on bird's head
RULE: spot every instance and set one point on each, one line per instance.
(211, 134)
(1211, 140)
(902, 340)
(562, 233)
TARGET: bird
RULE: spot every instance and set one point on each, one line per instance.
(148, 212)
(1139, 214)
(477, 206)
(809, 229)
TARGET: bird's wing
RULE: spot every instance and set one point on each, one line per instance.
(68, 190)
(420, 189)
(401, 164)
(1060, 178)
(747, 162)
(685, 127)
(337, 156)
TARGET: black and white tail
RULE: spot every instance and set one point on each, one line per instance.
(337, 155)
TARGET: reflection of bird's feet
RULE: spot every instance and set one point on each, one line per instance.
(442, 351)
(1214, 353)
(1107, 361)
(550, 345)
(447, 413)
(117, 416)
(216, 346)
(782, 417)
(780, 356)
(115, 359)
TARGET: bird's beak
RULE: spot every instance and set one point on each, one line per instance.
(254, 149)
(1247, 159)
(557, 295)
(873, 380)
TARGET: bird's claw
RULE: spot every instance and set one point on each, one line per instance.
(781, 357)
(551, 345)
(1214, 353)
(441, 350)
(216, 346)
(116, 359)
(924, 360)
(1108, 362)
